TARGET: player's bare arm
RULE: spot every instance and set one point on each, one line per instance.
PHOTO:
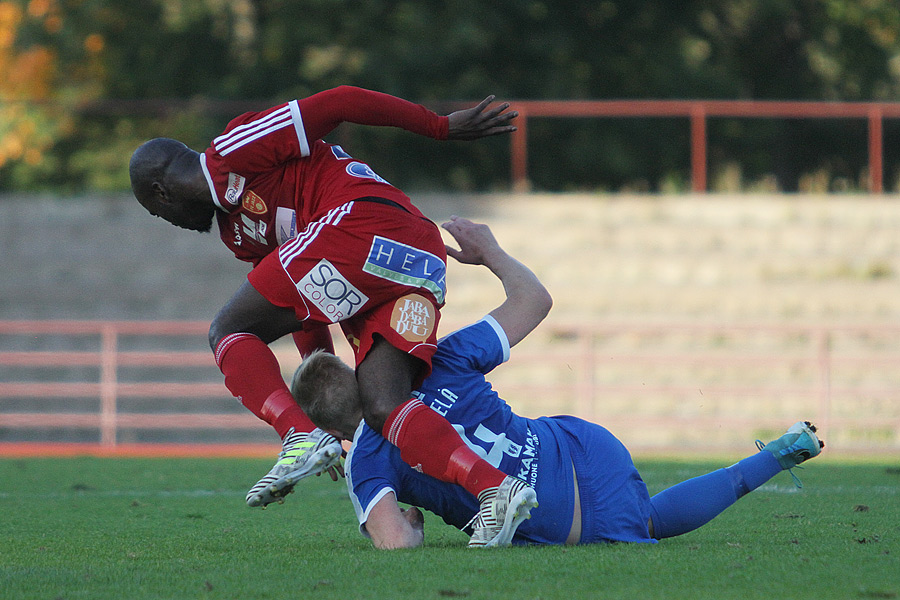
(481, 121)
(527, 300)
(391, 527)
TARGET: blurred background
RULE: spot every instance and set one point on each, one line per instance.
(688, 318)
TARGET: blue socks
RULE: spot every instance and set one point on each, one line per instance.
(686, 506)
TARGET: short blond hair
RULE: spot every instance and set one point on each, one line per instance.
(325, 388)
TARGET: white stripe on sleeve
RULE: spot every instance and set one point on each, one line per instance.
(242, 130)
(298, 127)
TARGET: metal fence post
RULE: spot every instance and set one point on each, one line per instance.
(108, 383)
(698, 149)
(824, 360)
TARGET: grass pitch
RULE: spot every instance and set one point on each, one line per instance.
(178, 528)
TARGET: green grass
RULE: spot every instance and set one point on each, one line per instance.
(178, 528)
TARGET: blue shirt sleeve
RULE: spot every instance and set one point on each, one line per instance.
(479, 347)
(374, 468)
(369, 472)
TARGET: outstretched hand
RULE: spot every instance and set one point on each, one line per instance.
(337, 471)
(334, 472)
(477, 122)
(477, 244)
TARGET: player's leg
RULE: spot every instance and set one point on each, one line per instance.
(316, 337)
(239, 335)
(313, 278)
(693, 503)
(429, 443)
(426, 439)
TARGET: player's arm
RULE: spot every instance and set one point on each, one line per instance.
(391, 527)
(324, 111)
(527, 300)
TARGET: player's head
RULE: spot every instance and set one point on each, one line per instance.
(166, 179)
(325, 388)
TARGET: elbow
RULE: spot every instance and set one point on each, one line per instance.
(399, 545)
(399, 542)
(544, 301)
(402, 534)
(349, 90)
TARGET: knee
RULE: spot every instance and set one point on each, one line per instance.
(227, 321)
(380, 396)
(376, 416)
(216, 332)
(385, 380)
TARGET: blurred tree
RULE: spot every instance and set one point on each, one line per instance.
(27, 127)
(80, 80)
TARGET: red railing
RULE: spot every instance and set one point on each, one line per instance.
(664, 387)
(108, 359)
(699, 112)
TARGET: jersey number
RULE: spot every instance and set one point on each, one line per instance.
(496, 442)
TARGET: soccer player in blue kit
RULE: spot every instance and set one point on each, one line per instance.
(588, 489)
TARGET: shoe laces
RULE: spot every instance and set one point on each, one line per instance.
(760, 446)
(485, 501)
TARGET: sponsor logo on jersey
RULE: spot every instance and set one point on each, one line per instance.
(234, 189)
(237, 235)
(285, 224)
(253, 203)
(440, 404)
(255, 230)
(364, 171)
(528, 472)
(407, 266)
(331, 292)
(413, 318)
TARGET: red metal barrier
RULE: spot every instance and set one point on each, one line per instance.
(699, 112)
(109, 358)
(647, 381)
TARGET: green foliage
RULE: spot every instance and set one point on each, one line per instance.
(64, 56)
(178, 528)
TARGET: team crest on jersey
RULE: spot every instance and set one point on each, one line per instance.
(406, 265)
(413, 318)
(234, 189)
(253, 203)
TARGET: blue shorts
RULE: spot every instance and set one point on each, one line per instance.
(615, 504)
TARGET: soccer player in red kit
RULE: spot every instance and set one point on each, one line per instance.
(351, 248)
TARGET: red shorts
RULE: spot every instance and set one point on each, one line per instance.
(373, 268)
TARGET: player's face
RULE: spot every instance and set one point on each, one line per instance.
(181, 210)
(348, 426)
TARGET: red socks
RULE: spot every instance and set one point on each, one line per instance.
(430, 444)
(427, 441)
(253, 376)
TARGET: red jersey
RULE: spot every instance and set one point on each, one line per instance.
(270, 174)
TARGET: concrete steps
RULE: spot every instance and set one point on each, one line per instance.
(771, 257)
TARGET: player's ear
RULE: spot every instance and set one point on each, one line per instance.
(159, 192)
(335, 433)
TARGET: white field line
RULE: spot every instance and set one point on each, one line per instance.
(774, 488)
(72, 494)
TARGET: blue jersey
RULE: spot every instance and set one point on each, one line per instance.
(544, 452)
